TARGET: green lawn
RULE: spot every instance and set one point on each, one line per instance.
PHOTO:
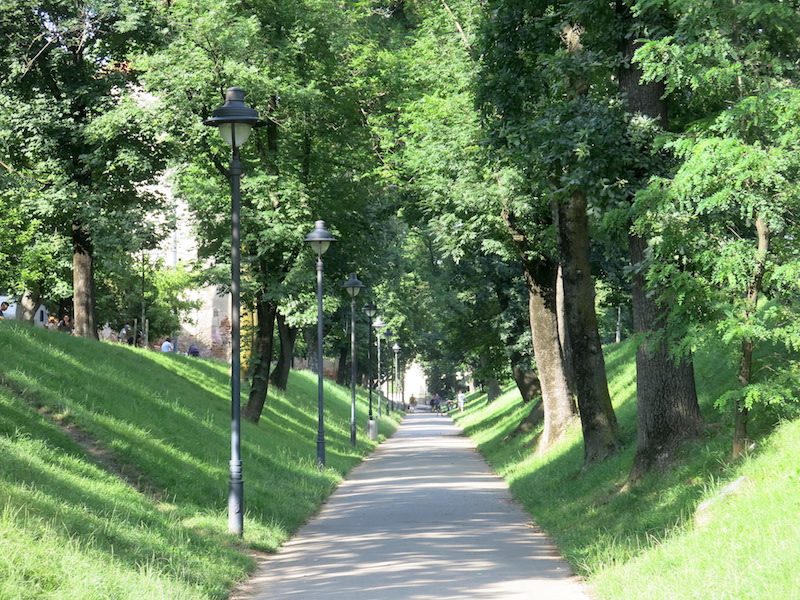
(114, 469)
(643, 542)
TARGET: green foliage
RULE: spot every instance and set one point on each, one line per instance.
(733, 170)
(115, 466)
(719, 51)
(81, 141)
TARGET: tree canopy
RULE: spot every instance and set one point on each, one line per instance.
(502, 176)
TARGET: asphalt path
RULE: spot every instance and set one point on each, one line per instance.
(422, 518)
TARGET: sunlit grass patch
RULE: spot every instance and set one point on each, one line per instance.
(114, 469)
(643, 542)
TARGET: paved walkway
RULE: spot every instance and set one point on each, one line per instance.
(423, 518)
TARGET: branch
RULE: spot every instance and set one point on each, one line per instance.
(11, 169)
(459, 28)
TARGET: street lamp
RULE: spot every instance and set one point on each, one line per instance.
(370, 310)
(396, 349)
(378, 325)
(389, 335)
(320, 240)
(234, 121)
(353, 286)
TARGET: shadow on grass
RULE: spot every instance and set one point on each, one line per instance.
(166, 420)
(591, 515)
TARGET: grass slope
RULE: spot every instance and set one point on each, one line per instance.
(645, 542)
(114, 469)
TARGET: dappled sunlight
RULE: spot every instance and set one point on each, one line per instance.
(163, 420)
(422, 517)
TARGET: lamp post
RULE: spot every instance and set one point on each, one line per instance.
(370, 310)
(389, 335)
(353, 286)
(396, 349)
(234, 121)
(378, 325)
(320, 240)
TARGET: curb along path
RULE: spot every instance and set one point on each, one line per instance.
(422, 518)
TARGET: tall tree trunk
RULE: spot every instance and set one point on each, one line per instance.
(493, 390)
(746, 358)
(526, 379)
(563, 333)
(26, 307)
(540, 276)
(288, 336)
(557, 402)
(83, 282)
(310, 338)
(261, 361)
(667, 409)
(343, 366)
(598, 421)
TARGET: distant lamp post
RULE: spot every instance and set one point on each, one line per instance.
(389, 336)
(320, 240)
(396, 349)
(370, 310)
(353, 286)
(378, 325)
(234, 121)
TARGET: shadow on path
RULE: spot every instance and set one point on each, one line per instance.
(422, 518)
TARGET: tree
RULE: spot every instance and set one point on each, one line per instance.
(548, 114)
(667, 409)
(736, 185)
(727, 84)
(90, 142)
(313, 160)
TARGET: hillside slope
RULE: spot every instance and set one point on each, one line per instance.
(707, 529)
(114, 469)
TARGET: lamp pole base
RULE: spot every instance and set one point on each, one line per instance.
(372, 429)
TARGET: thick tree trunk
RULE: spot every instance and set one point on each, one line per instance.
(540, 276)
(83, 282)
(493, 390)
(310, 338)
(527, 381)
(288, 336)
(26, 308)
(746, 359)
(526, 378)
(598, 421)
(558, 404)
(262, 360)
(667, 408)
(563, 334)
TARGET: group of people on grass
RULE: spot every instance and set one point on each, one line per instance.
(64, 325)
(125, 334)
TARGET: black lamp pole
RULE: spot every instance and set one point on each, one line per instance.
(370, 310)
(353, 286)
(234, 121)
(320, 240)
(396, 385)
(379, 325)
(389, 380)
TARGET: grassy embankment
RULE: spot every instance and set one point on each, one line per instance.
(650, 541)
(114, 470)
